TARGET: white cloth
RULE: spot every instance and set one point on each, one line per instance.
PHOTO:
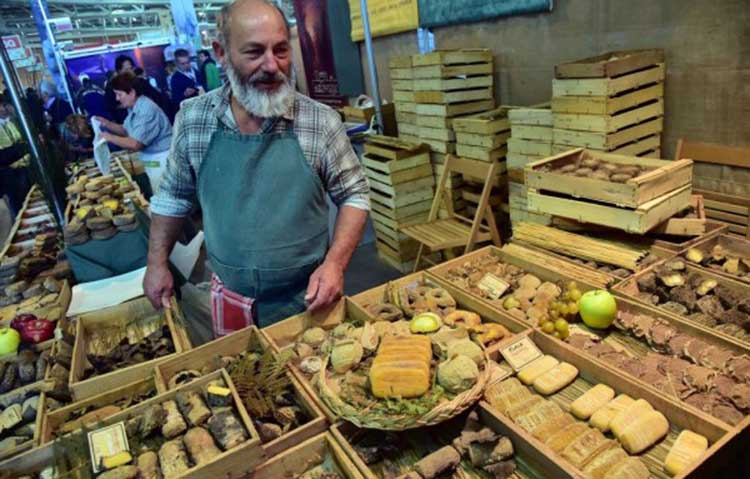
(154, 164)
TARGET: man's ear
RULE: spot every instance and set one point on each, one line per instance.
(219, 51)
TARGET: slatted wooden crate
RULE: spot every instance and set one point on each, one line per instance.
(483, 136)
(530, 139)
(401, 192)
(611, 102)
(402, 84)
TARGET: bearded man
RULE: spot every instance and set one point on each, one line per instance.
(260, 158)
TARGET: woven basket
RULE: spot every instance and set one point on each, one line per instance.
(440, 413)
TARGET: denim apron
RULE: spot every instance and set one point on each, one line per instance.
(265, 218)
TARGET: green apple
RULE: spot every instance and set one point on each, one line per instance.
(597, 308)
(9, 341)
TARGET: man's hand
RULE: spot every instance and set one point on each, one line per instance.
(102, 120)
(158, 285)
(189, 92)
(325, 287)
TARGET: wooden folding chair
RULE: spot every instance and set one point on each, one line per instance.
(457, 230)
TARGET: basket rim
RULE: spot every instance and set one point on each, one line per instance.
(440, 413)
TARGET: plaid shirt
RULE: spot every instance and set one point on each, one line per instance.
(318, 128)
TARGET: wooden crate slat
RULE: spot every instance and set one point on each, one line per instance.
(610, 64)
(448, 71)
(531, 132)
(607, 86)
(440, 146)
(486, 141)
(488, 122)
(480, 153)
(456, 96)
(530, 116)
(402, 176)
(403, 61)
(604, 105)
(442, 134)
(449, 84)
(608, 123)
(529, 147)
(452, 57)
(455, 108)
(403, 96)
(402, 73)
(634, 221)
(608, 141)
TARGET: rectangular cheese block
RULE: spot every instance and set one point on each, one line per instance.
(555, 379)
(401, 367)
(687, 449)
(645, 431)
(552, 426)
(591, 401)
(602, 418)
(538, 415)
(629, 415)
(536, 368)
(560, 440)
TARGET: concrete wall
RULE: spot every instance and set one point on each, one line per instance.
(707, 45)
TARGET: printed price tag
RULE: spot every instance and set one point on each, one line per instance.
(106, 442)
(520, 353)
(493, 286)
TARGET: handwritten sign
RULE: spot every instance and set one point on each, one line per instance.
(520, 353)
(493, 286)
(106, 442)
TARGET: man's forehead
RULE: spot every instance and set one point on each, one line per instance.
(257, 19)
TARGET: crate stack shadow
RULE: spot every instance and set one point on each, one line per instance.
(612, 103)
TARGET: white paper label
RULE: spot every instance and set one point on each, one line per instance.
(106, 442)
(520, 353)
(493, 285)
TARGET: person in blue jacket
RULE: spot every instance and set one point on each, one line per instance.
(186, 81)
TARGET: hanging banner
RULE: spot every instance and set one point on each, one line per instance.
(386, 17)
(317, 54)
(14, 47)
(439, 13)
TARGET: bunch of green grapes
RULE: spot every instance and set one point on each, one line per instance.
(562, 312)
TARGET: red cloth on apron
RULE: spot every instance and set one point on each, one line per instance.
(230, 311)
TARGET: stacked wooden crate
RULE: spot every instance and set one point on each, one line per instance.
(613, 103)
(402, 84)
(484, 136)
(447, 85)
(530, 140)
(401, 193)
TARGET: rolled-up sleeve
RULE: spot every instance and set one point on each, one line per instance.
(177, 190)
(342, 170)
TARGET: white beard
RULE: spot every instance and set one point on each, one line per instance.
(260, 103)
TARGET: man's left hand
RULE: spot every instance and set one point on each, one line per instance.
(325, 287)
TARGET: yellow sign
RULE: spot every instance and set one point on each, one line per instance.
(386, 17)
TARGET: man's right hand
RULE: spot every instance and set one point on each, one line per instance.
(158, 285)
(189, 92)
(102, 120)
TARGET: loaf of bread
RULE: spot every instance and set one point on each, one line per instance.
(598, 467)
(629, 468)
(591, 401)
(401, 367)
(538, 415)
(536, 368)
(628, 415)
(587, 446)
(506, 394)
(555, 379)
(687, 449)
(560, 440)
(558, 423)
(645, 431)
(603, 416)
(523, 407)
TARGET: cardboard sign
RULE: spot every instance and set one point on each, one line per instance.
(498, 373)
(106, 442)
(520, 353)
(494, 286)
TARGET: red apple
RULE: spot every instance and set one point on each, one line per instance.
(597, 308)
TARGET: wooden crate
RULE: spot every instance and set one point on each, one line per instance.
(639, 220)
(665, 177)
(611, 122)
(531, 462)
(298, 459)
(649, 147)
(485, 123)
(605, 105)
(530, 147)
(55, 420)
(737, 247)
(121, 314)
(454, 109)
(679, 415)
(538, 133)
(452, 71)
(684, 226)
(53, 311)
(453, 96)
(729, 209)
(35, 440)
(666, 244)
(489, 141)
(463, 300)
(402, 61)
(609, 86)
(537, 115)
(481, 153)
(232, 345)
(609, 141)
(611, 64)
(451, 84)
(630, 289)
(452, 57)
(236, 462)
(440, 146)
(441, 134)
(405, 107)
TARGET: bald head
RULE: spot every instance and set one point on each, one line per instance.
(248, 11)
